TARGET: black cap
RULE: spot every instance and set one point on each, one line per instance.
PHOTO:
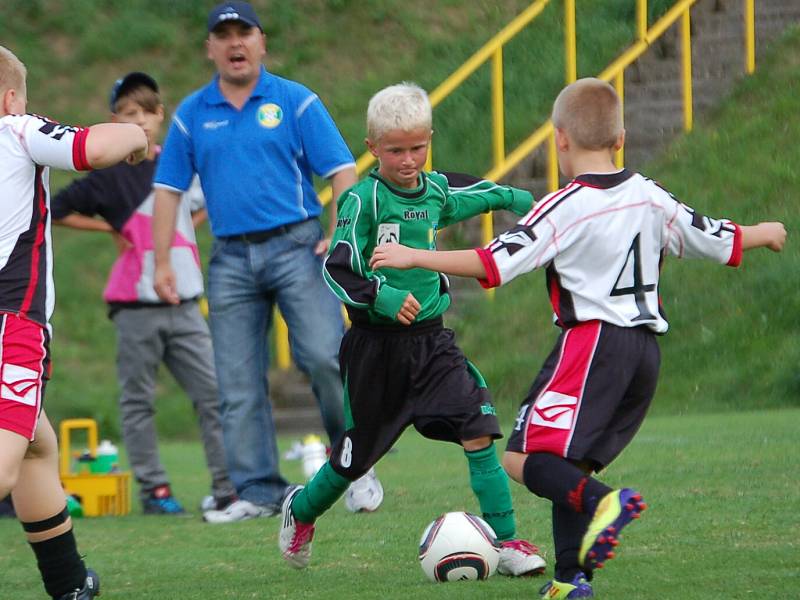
(234, 10)
(126, 83)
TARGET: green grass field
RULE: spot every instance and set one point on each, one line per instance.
(722, 487)
(722, 523)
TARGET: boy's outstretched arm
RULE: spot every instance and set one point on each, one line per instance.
(110, 143)
(771, 235)
(463, 263)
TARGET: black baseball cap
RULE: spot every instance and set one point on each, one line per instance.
(234, 10)
(126, 83)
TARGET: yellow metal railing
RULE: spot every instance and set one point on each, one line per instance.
(493, 50)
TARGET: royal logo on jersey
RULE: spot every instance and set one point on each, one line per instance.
(269, 115)
(19, 384)
(415, 215)
(554, 410)
(388, 233)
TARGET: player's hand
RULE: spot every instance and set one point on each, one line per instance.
(408, 312)
(164, 284)
(322, 247)
(776, 235)
(392, 255)
(136, 157)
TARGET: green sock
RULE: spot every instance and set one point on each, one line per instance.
(490, 484)
(325, 488)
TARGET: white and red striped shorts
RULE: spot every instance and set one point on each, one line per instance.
(24, 370)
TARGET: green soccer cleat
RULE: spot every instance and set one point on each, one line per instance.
(615, 511)
(560, 590)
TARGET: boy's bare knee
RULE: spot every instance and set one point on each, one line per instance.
(9, 476)
(477, 444)
(514, 464)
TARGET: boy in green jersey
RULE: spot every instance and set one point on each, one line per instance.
(399, 365)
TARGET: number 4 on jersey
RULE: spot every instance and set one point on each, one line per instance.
(638, 289)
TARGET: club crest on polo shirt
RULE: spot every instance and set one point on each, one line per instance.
(269, 115)
(388, 233)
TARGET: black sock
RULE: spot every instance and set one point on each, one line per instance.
(560, 481)
(60, 564)
(568, 530)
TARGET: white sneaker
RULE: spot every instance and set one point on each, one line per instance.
(294, 539)
(519, 558)
(364, 494)
(241, 510)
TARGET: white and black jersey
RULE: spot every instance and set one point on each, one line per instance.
(29, 144)
(602, 239)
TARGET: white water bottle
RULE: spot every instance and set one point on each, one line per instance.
(314, 455)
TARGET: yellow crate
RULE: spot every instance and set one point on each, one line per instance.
(100, 493)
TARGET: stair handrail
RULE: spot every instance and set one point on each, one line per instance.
(613, 73)
(488, 51)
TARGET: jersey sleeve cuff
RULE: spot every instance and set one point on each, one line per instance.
(522, 202)
(389, 301)
(736, 253)
(492, 278)
(79, 158)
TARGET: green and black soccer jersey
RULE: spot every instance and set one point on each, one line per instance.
(374, 212)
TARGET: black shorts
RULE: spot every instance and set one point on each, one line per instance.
(400, 376)
(592, 393)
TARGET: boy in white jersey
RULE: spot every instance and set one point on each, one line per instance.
(601, 240)
(29, 145)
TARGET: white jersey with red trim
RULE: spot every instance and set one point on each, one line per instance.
(29, 144)
(602, 239)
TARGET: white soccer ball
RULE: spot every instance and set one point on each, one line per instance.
(458, 546)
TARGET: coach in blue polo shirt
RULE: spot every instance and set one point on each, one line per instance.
(255, 139)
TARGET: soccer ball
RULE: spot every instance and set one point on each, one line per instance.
(458, 546)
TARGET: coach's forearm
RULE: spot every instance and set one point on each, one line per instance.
(463, 263)
(165, 211)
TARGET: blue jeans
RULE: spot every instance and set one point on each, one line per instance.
(244, 282)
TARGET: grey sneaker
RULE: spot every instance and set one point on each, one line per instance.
(240, 510)
(211, 503)
(364, 494)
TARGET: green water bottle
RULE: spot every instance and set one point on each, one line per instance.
(106, 459)
(74, 507)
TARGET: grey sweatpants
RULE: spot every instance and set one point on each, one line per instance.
(178, 336)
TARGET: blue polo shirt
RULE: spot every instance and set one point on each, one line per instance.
(255, 164)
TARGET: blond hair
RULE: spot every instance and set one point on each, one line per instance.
(590, 112)
(402, 106)
(12, 72)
